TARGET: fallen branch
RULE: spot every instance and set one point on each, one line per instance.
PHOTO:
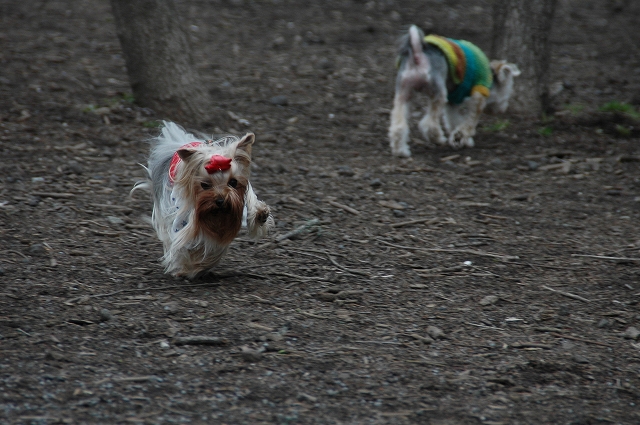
(162, 288)
(460, 251)
(417, 221)
(298, 277)
(341, 267)
(298, 230)
(54, 195)
(568, 294)
(581, 340)
(200, 340)
(518, 344)
(495, 328)
(603, 257)
(344, 207)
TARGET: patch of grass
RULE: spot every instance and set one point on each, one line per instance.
(574, 108)
(623, 131)
(151, 124)
(545, 131)
(89, 108)
(124, 98)
(622, 107)
(497, 126)
(128, 97)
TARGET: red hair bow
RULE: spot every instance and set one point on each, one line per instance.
(218, 163)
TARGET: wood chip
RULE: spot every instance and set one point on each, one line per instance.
(344, 207)
(417, 221)
(567, 294)
(53, 195)
(200, 340)
(298, 230)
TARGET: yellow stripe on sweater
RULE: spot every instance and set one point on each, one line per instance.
(445, 46)
(480, 89)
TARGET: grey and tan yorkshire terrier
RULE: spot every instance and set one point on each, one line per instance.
(460, 83)
(201, 196)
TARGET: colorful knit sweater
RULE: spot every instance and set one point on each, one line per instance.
(468, 66)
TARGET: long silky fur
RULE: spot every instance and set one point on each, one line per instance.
(190, 250)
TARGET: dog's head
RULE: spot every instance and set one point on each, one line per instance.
(216, 184)
(502, 89)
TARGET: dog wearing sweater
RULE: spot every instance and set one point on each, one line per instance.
(460, 83)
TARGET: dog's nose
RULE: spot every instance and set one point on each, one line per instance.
(220, 202)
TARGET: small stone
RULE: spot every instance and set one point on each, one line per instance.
(580, 359)
(325, 64)
(631, 333)
(280, 100)
(489, 300)
(603, 323)
(267, 138)
(398, 213)
(37, 249)
(171, 307)
(307, 397)
(278, 41)
(75, 167)
(105, 315)
(345, 171)
(435, 332)
(33, 201)
(115, 220)
(375, 183)
(533, 166)
(250, 355)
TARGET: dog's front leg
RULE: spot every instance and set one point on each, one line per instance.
(430, 124)
(399, 128)
(462, 134)
(259, 219)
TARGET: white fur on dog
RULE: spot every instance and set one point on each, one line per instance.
(187, 250)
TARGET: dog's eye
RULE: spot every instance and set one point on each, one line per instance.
(233, 182)
(205, 185)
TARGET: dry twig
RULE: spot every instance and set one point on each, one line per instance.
(297, 230)
(460, 251)
(417, 221)
(604, 257)
(567, 294)
(344, 207)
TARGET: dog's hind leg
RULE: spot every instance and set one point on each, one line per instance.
(430, 124)
(399, 128)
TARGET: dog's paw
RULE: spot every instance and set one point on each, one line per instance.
(401, 152)
(263, 215)
(459, 139)
(435, 135)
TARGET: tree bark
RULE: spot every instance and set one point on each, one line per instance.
(521, 35)
(160, 66)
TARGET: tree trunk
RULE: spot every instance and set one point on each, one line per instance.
(159, 62)
(521, 35)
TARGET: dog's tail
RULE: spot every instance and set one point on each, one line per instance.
(411, 48)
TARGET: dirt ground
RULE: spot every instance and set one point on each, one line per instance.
(513, 301)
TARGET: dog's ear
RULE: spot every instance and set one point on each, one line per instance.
(186, 154)
(511, 68)
(503, 70)
(243, 149)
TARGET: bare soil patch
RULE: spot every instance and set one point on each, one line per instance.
(492, 285)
